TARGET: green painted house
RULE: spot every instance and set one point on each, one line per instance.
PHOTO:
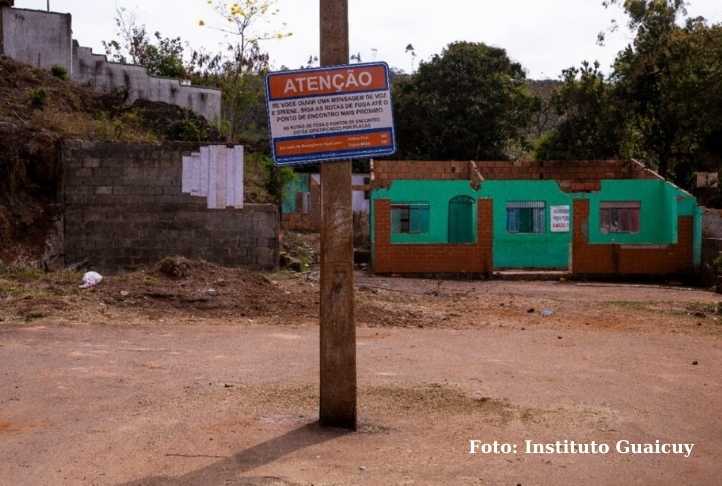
(596, 217)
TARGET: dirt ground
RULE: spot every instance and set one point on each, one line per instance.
(211, 379)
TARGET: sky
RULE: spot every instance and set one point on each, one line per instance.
(545, 36)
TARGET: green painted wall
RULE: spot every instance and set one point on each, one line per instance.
(661, 204)
(437, 194)
(658, 213)
(300, 183)
(544, 250)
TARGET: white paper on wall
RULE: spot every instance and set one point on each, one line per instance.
(196, 175)
(221, 177)
(239, 166)
(187, 175)
(205, 170)
(212, 178)
(216, 173)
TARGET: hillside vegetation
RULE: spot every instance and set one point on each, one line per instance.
(38, 110)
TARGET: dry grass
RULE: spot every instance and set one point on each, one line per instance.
(101, 127)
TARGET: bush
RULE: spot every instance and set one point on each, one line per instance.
(717, 264)
(59, 72)
(38, 98)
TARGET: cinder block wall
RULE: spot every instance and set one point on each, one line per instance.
(124, 207)
(443, 258)
(593, 259)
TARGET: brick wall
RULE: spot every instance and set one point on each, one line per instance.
(385, 171)
(306, 222)
(124, 207)
(595, 259)
(573, 176)
(442, 258)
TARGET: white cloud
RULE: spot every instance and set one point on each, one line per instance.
(546, 36)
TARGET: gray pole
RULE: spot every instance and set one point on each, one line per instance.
(338, 330)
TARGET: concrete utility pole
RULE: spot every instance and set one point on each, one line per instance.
(338, 329)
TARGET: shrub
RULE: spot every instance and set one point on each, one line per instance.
(38, 98)
(59, 72)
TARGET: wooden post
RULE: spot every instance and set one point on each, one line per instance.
(338, 330)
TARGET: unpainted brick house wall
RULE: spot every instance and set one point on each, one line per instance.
(475, 258)
(309, 221)
(124, 207)
(596, 259)
(573, 176)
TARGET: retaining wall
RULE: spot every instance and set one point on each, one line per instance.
(41, 39)
(96, 71)
(45, 39)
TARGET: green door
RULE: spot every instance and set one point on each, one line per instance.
(461, 220)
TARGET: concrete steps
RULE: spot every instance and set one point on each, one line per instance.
(533, 275)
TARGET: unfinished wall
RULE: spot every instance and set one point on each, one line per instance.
(473, 258)
(620, 259)
(124, 207)
(573, 176)
(105, 76)
(42, 39)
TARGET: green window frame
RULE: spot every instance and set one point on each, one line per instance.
(526, 217)
(410, 218)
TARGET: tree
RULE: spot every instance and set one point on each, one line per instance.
(592, 123)
(661, 103)
(133, 45)
(239, 70)
(469, 102)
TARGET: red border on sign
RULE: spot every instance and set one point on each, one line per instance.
(327, 82)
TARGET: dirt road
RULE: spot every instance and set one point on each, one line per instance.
(112, 394)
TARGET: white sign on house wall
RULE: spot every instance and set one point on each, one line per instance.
(561, 219)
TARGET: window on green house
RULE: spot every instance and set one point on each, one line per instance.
(410, 218)
(526, 217)
(620, 217)
(461, 220)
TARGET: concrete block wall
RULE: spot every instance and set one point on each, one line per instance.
(123, 207)
(41, 39)
(474, 258)
(595, 259)
(105, 76)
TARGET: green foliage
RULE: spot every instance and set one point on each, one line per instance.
(38, 98)
(470, 102)
(161, 56)
(277, 178)
(717, 264)
(662, 102)
(59, 72)
(592, 124)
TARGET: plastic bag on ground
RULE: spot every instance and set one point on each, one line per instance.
(91, 279)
